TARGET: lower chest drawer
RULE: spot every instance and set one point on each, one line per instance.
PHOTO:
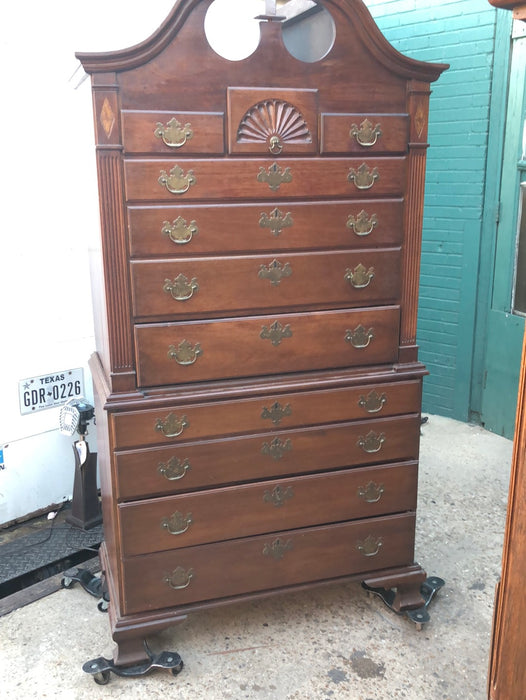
(209, 463)
(259, 414)
(265, 563)
(176, 353)
(270, 506)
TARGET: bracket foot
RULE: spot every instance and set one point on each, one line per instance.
(101, 668)
(417, 615)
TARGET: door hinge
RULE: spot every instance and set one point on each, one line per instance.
(497, 214)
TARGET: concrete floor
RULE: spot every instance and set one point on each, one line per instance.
(331, 643)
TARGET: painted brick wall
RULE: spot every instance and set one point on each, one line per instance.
(461, 33)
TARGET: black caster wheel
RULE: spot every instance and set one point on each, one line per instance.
(103, 604)
(102, 677)
(176, 670)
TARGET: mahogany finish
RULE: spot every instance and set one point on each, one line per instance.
(256, 376)
(507, 668)
(228, 228)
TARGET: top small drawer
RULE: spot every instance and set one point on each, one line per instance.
(173, 132)
(362, 133)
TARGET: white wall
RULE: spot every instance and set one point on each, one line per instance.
(49, 216)
(49, 213)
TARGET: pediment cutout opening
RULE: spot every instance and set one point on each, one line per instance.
(232, 27)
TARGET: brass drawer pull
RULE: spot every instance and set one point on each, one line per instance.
(276, 221)
(278, 496)
(370, 546)
(363, 178)
(372, 442)
(371, 493)
(366, 134)
(177, 523)
(176, 181)
(179, 231)
(363, 224)
(174, 134)
(276, 412)
(174, 469)
(275, 272)
(274, 176)
(277, 448)
(185, 353)
(373, 403)
(276, 332)
(359, 338)
(172, 426)
(360, 277)
(277, 548)
(179, 578)
(181, 288)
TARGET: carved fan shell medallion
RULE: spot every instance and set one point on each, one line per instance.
(275, 123)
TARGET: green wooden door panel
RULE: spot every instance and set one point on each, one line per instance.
(501, 378)
(504, 331)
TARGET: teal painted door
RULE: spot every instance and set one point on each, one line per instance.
(504, 331)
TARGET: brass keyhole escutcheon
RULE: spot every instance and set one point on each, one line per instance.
(274, 176)
(277, 448)
(278, 496)
(276, 412)
(276, 221)
(275, 272)
(277, 548)
(275, 333)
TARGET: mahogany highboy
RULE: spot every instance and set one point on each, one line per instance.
(257, 383)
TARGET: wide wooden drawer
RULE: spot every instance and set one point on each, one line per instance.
(269, 506)
(173, 132)
(227, 228)
(164, 470)
(363, 133)
(198, 350)
(241, 178)
(194, 287)
(264, 563)
(261, 414)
